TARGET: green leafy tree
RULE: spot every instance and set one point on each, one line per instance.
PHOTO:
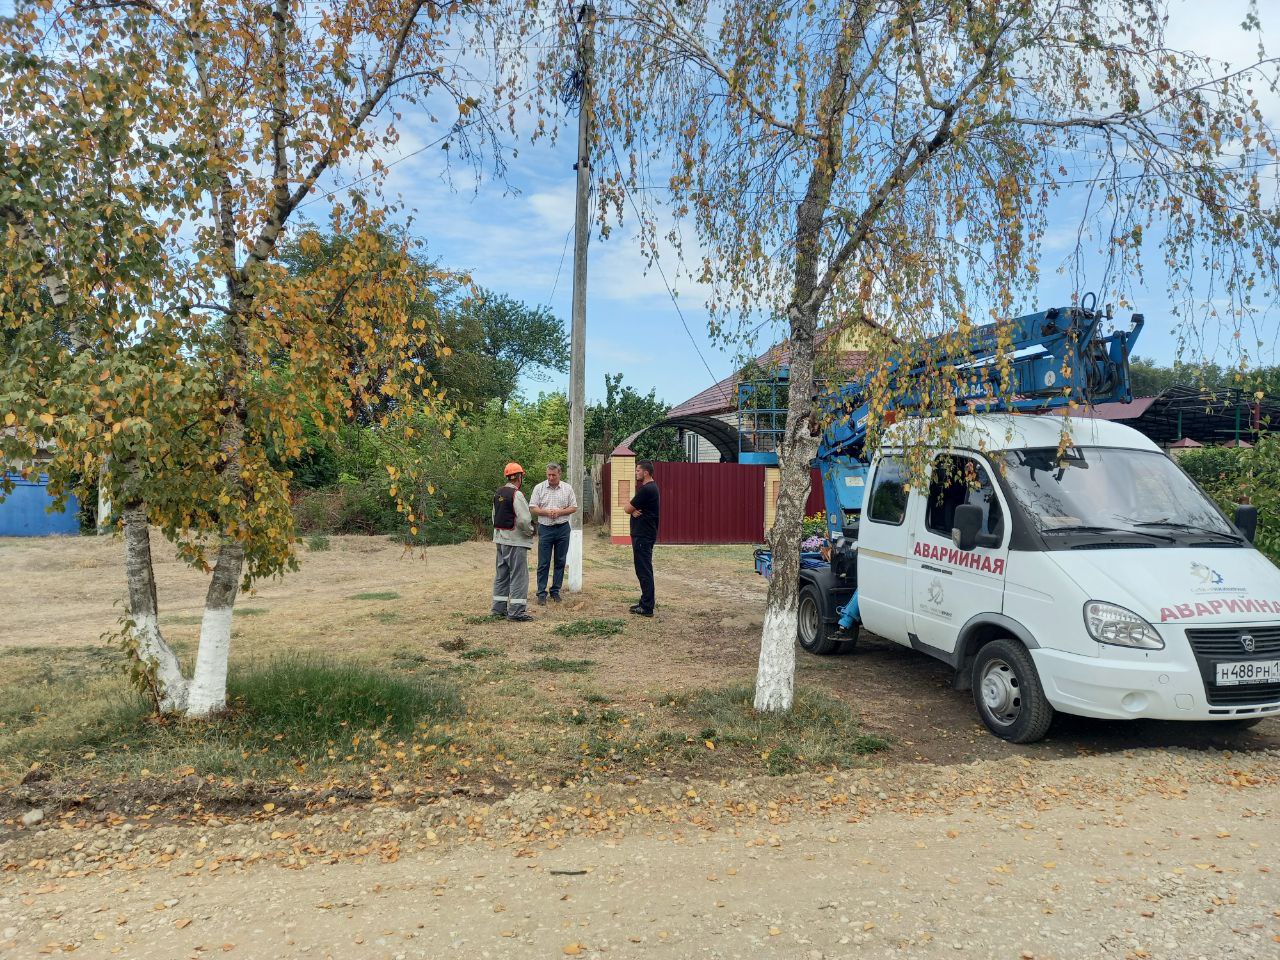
(625, 411)
(1149, 379)
(500, 341)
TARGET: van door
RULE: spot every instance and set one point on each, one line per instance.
(948, 585)
(884, 537)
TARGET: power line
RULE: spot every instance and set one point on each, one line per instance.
(563, 252)
(657, 262)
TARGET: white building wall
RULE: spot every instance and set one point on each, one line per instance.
(701, 450)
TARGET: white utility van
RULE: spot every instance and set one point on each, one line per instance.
(1100, 581)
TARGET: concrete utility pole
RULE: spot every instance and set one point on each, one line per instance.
(578, 337)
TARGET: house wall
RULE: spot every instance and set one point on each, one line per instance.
(701, 450)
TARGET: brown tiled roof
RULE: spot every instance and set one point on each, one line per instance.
(723, 396)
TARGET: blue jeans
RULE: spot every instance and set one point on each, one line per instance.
(553, 543)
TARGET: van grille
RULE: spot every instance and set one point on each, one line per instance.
(1224, 642)
(1214, 645)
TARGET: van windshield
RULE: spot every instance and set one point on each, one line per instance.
(1104, 491)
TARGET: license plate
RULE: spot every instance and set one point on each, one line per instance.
(1248, 671)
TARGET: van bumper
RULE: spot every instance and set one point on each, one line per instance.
(1118, 690)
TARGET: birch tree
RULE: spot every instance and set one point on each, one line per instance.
(156, 154)
(899, 161)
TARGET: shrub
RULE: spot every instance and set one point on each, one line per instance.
(457, 473)
(1242, 475)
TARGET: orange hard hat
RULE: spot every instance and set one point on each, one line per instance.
(512, 469)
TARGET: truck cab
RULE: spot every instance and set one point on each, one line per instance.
(1056, 566)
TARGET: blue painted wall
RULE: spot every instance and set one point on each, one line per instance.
(23, 513)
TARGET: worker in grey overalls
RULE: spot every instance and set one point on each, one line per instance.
(513, 533)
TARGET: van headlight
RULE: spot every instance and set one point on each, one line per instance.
(1108, 623)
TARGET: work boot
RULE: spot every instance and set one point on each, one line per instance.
(555, 597)
(542, 601)
(520, 616)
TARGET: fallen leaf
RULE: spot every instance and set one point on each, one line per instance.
(572, 949)
(184, 922)
(774, 931)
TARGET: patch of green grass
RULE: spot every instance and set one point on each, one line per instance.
(284, 717)
(589, 628)
(558, 665)
(481, 653)
(819, 731)
(312, 700)
(546, 648)
(593, 696)
(251, 611)
(318, 543)
(387, 616)
(183, 619)
(376, 595)
(476, 619)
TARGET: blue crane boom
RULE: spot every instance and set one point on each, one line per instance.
(1055, 357)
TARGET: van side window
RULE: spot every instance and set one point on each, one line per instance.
(958, 480)
(889, 492)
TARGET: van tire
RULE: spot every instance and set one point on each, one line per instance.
(1008, 693)
(811, 626)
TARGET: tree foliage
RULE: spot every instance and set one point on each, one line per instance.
(1148, 378)
(503, 340)
(624, 411)
(1243, 475)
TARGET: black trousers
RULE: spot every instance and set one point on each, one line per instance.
(553, 543)
(642, 556)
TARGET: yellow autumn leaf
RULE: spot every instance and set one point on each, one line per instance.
(10, 419)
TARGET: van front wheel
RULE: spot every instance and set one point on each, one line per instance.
(1008, 694)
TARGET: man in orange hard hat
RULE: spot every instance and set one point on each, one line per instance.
(513, 534)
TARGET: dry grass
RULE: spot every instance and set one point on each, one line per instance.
(584, 691)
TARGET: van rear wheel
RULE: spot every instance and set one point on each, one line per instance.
(811, 628)
(1008, 693)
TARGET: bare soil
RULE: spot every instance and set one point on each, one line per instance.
(1150, 855)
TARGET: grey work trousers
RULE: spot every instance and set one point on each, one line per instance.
(511, 581)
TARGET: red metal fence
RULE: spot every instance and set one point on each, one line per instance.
(713, 502)
(710, 502)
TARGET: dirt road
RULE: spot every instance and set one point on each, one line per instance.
(1151, 854)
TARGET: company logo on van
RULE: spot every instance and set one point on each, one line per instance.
(959, 558)
(1206, 574)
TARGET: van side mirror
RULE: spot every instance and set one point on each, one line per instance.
(965, 526)
(1247, 520)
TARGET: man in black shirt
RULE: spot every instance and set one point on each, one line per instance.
(644, 508)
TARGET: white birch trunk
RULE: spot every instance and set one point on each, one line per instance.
(156, 655)
(209, 682)
(775, 677)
